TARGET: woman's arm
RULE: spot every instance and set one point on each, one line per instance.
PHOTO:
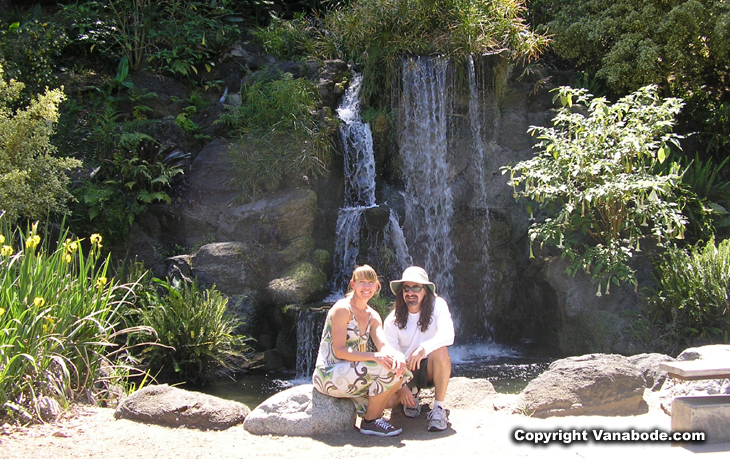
(340, 319)
(398, 361)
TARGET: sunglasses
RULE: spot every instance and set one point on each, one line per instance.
(414, 289)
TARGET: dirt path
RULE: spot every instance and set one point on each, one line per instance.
(91, 432)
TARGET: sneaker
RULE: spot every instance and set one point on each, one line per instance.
(379, 427)
(415, 411)
(438, 419)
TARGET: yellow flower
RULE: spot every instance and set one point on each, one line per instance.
(39, 302)
(32, 242)
(67, 258)
(2, 311)
(70, 246)
(101, 282)
(192, 334)
(96, 239)
(2, 238)
(6, 251)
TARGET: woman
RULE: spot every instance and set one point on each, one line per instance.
(345, 369)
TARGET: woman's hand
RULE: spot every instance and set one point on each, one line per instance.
(385, 360)
(406, 398)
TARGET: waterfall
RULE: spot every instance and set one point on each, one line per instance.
(480, 191)
(423, 148)
(309, 331)
(359, 171)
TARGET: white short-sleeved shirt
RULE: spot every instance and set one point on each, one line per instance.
(440, 331)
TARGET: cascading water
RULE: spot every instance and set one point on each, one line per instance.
(359, 169)
(423, 148)
(309, 329)
(480, 191)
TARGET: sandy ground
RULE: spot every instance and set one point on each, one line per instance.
(91, 432)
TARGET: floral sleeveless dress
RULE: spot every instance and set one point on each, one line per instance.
(344, 379)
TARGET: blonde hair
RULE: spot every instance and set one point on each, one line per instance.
(363, 273)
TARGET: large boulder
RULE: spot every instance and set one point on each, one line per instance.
(466, 393)
(231, 266)
(301, 411)
(648, 364)
(298, 285)
(594, 384)
(173, 407)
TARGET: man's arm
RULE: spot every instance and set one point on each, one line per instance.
(444, 327)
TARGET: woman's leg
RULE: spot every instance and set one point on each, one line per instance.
(378, 403)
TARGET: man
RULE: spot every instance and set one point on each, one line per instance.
(420, 327)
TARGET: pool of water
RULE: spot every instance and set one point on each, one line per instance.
(509, 370)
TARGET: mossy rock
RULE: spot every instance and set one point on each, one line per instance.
(298, 285)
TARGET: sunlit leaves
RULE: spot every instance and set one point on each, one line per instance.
(596, 168)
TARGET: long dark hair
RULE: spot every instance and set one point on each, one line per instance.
(401, 310)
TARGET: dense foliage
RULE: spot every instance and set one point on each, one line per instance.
(595, 175)
(690, 300)
(377, 34)
(682, 44)
(33, 181)
(281, 136)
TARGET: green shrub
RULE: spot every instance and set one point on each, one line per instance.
(29, 51)
(195, 335)
(57, 319)
(595, 179)
(680, 43)
(287, 40)
(32, 180)
(280, 135)
(690, 300)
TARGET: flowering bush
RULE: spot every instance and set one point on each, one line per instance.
(57, 317)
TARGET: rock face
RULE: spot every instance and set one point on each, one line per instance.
(301, 411)
(648, 364)
(172, 407)
(594, 384)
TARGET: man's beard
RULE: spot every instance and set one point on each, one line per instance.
(411, 303)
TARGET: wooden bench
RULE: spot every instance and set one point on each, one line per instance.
(707, 413)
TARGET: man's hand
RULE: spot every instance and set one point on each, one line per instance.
(414, 360)
(406, 398)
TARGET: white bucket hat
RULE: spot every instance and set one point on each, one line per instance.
(414, 274)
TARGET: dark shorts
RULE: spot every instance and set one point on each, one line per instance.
(420, 377)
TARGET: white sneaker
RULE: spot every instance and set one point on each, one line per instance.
(438, 419)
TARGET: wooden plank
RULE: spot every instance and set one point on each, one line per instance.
(697, 369)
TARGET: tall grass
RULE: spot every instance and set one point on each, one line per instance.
(57, 314)
(690, 303)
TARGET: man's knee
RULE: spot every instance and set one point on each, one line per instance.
(440, 356)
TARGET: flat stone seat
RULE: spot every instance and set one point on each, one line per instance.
(697, 369)
(709, 414)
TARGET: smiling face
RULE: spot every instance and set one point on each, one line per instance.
(364, 289)
(364, 283)
(413, 298)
